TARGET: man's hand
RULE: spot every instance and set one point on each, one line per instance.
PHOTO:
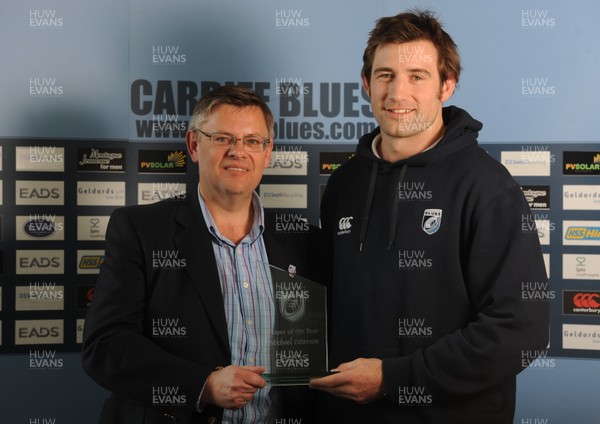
(360, 380)
(232, 387)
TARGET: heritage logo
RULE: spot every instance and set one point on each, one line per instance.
(155, 192)
(168, 55)
(291, 223)
(45, 87)
(581, 163)
(581, 197)
(40, 262)
(581, 267)
(101, 160)
(39, 332)
(100, 193)
(45, 18)
(89, 261)
(168, 328)
(413, 327)
(40, 227)
(581, 302)
(92, 228)
(330, 161)
(167, 396)
(44, 360)
(537, 87)
(40, 158)
(538, 197)
(291, 359)
(39, 192)
(291, 18)
(162, 162)
(285, 161)
(536, 19)
(581, 233)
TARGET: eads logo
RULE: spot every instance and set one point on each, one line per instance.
(345, 225)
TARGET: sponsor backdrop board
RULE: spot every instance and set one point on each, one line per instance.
(96, 99)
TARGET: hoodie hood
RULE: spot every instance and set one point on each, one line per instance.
(461, 131)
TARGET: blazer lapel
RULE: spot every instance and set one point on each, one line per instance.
(195, 245)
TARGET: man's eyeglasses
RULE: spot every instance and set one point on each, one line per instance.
(252, 143)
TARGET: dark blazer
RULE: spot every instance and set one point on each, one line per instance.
(157, 327)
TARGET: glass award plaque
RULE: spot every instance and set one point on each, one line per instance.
(298, 342)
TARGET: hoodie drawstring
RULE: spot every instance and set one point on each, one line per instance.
(396, 195)
(368, 204)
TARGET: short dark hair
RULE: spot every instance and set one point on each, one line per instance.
(414, 25)
(233, 95)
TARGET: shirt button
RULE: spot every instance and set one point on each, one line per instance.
(249, 322)
(245, 284)
(250, 360)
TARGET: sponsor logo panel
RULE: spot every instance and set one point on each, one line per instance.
(284, 196)
(100, 193)
(39, 296)
(286, 162)
(155, 192)
(330, 161)
(527, 163)
(79, 330)
(40, 227)
(581, 197)
(39, 192)
(581, 267)
(101, 160)
(33, 332)
(581, 233)
(84, 296)
(538, 197)
(40, 158)
(89, 261)
(577, 336)
(40, 262)
(92, 228)
(162, 162)
(581, 302)
(581, 163)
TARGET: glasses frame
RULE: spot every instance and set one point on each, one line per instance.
(233, 140)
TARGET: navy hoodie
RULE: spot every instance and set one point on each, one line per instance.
(438, 271)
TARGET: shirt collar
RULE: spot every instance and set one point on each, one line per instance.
(256, 231)
(377, 140)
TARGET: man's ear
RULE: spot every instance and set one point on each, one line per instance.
(447, 89)
(191, 142)
(366, 85)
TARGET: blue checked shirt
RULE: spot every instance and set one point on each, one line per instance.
(249, 306)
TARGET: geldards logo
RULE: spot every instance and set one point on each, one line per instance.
(538, 197)
(291, 359)
(576, 336)
(537, 19)
(322, 111)
(291, 18)
(44, 360)
(39, 193)
(168, 328)
(413, 327)
(291, 223)
(291, 298)
(167, 396)
(168, 55)
(345, 225)
(330, 161)
(414, 396)
(39, 296)
(155, 192)
(39, 332)
(40, 158)
(101, 160)
(288, 160)
(414, 260)
(90, 228)
(413, 191)
(40, 227)
(432, 219)
(45, 87)
(581, 267)
(168, 259)
(581, 197)
(581, 233)
(85, 293)
(581, 302)
(40, 261)
(45, 18)
(162, 162)
(89, 261)
(100, 193)
(581, 163)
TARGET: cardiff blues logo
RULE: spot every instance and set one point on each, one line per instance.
(292, 308)
(292, 270)
(432, 218)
